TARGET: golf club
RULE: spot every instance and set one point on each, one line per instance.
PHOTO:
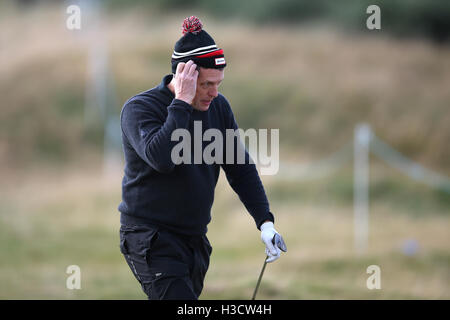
(278, 241)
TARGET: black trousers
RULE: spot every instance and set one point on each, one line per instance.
(168, 266)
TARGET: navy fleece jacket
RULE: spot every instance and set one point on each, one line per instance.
(179, 197)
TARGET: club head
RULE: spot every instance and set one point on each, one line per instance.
(279, 242)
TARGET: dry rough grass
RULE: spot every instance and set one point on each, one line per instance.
(314, 83)
(50, 221)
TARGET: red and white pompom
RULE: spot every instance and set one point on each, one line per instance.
(192, 25)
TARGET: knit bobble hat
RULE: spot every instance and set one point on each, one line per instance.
(197, 45)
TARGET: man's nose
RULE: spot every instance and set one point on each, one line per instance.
(214, 92)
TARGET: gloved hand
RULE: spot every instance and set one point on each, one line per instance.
(273, 241)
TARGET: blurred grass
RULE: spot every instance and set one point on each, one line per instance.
(311, 82)
(72, 219)
(402, 18)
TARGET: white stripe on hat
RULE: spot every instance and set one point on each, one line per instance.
(195, 54)
(196, 51)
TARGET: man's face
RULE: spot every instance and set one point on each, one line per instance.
(207, 87)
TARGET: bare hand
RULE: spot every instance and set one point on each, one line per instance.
(185, 83)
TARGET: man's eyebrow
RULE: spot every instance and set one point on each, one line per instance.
(209, 81)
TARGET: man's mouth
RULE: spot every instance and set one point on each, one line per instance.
(206, 102)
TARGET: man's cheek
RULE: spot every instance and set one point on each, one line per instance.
(198, 93)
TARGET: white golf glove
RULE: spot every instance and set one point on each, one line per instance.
(273, 241)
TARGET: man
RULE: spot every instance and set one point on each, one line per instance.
(165, 207)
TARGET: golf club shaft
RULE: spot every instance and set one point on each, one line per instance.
(260, 277)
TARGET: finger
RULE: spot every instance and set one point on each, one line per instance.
(277, 252)
(180, 67)
(187, 66)
(271, 258)
(192, 69)
(271, 254)
(271, 248)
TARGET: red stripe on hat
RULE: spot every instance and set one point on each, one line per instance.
(211, 54)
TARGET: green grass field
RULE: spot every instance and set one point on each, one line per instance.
(71, 219)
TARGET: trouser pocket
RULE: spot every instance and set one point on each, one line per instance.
(170, 281)
(167, 265)
(135, 243)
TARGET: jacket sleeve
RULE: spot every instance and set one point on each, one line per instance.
(150, 134)
(244, 179)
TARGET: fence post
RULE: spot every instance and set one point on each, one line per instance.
(362, 139)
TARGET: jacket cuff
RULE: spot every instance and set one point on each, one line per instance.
(182, 105)
(265, 217)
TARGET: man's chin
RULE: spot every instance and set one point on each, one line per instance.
(202, 106)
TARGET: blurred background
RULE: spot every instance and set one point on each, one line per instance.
(364, 120)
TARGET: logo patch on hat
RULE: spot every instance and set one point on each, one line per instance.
(219, 61)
